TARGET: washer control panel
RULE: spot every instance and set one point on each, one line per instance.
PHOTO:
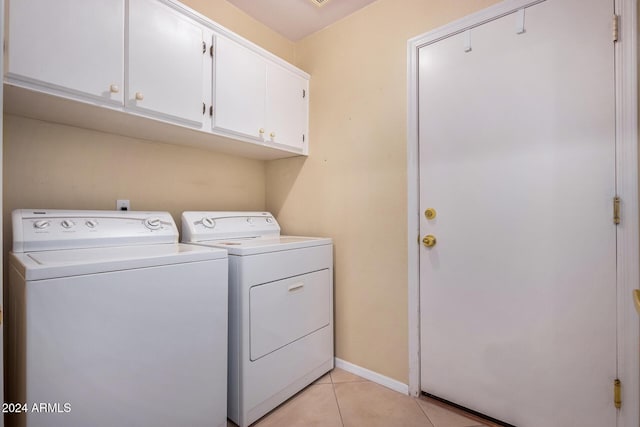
(38, 230)
(206, 226)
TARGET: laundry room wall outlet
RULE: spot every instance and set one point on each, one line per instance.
(123, 205)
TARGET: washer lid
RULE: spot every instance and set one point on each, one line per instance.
(253, 246)
(74, 262)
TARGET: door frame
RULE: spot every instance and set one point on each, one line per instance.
(627, 233)
(1, 221)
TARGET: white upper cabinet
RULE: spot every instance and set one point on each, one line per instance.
(69, 46)
(257, 98)
(165, 52)
(286, 107)
(164, 71)
(239, 89)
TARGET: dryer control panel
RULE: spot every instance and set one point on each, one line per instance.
(42, 230)
(208, 226)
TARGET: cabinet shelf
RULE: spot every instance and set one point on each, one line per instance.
(21, 101)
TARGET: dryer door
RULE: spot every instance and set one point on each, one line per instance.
(286, 310)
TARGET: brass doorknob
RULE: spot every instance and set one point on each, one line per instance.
(430, 213)
(429, 241)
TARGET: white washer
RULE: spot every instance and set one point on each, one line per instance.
(280, 307)
(112, 322)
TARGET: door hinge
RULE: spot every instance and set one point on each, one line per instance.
(211, 51)
(211, 111)
(616, 19)
(204, 48)
(303, 137)
(304, 93)
(204, 108)
(617, 393)
(616, 210)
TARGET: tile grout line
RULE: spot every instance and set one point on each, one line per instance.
(415, 400)
(333, 388)
(432, 423)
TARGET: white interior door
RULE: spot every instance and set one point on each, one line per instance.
(517, 146)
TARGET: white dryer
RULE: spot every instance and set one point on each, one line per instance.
(280, 307)
(112, 322)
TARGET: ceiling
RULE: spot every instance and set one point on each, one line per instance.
(296, 19)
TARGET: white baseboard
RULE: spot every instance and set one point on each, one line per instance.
(373, 376)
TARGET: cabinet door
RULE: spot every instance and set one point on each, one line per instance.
(165, 53)
(239, 89)
(74, 46)
(286, 107)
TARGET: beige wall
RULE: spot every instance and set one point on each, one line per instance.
(353, 185)
(60, 166)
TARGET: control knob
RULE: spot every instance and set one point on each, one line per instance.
(67, 223)
(208, 222)
(153, 223)
(91, 223)
(41, 224)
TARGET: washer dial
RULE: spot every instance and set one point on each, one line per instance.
(41, 224)
(153, 223)
(67, 223)
(209, 222)
(91, 223)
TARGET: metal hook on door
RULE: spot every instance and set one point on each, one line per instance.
(520, 22)
(467, 41)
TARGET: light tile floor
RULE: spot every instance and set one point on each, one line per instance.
(341, 399)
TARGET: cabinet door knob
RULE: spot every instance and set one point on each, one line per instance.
(139, 96)
(114, 89)
(272, 134)
(261, 131)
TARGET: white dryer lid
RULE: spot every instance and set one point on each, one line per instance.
(242, 233)
(75, 262)
(254, 246)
